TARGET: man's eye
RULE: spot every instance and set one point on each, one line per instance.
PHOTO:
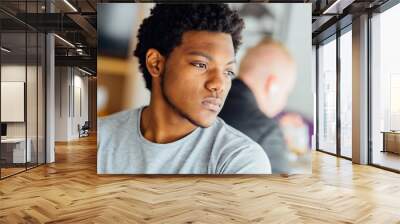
(199, 65)
(231, 74)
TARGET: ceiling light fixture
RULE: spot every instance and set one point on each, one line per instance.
(70, 5)
(338, 6)
(5, 49)
(65, 41)
(86, 72)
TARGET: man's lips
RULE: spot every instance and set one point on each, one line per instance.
(212, 103)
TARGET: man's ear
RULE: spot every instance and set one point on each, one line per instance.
(155, 62)
(271, 85)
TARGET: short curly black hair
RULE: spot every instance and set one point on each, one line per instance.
(164, 28)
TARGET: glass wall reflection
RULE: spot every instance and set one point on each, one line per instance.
(385, 84)
(346, 94)
(327, 97)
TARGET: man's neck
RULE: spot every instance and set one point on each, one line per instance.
(162, 124)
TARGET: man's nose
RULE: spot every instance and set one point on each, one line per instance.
(216, 82)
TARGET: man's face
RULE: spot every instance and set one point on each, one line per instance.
(198, 75)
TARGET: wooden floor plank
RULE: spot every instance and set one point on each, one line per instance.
(70, 191)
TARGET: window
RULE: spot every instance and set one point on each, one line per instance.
(346, 94)
(385, 89)
(327, 97)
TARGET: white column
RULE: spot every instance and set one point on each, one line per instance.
(360, 90)
(50, 100)
(50, 92)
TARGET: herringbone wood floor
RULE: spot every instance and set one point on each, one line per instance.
(70, 191)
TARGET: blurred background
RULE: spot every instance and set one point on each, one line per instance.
(121, 86)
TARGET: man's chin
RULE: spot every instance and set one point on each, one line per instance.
(203, 123)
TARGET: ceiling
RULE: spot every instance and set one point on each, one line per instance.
(76, 24)
(331, 15)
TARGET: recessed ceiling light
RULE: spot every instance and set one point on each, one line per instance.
(64, 40)
(5, 49)
(71, 6)
(337, 6)
(84, 71)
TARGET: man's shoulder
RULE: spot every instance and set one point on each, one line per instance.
(112, 130)
(117, 119)
(233, 136)
(115, 126)
(239, 153)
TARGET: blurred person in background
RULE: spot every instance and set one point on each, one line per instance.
(267, 75)
(187, 56)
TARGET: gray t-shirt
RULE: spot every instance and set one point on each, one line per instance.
(218, 149)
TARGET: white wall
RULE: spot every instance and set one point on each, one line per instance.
(61, 103)
(70, 83)
(13, 100)
(79, 117)
(12, 73)
(33, 127)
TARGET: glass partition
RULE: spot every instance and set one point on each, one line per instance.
(22, 77)
(14, 153)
